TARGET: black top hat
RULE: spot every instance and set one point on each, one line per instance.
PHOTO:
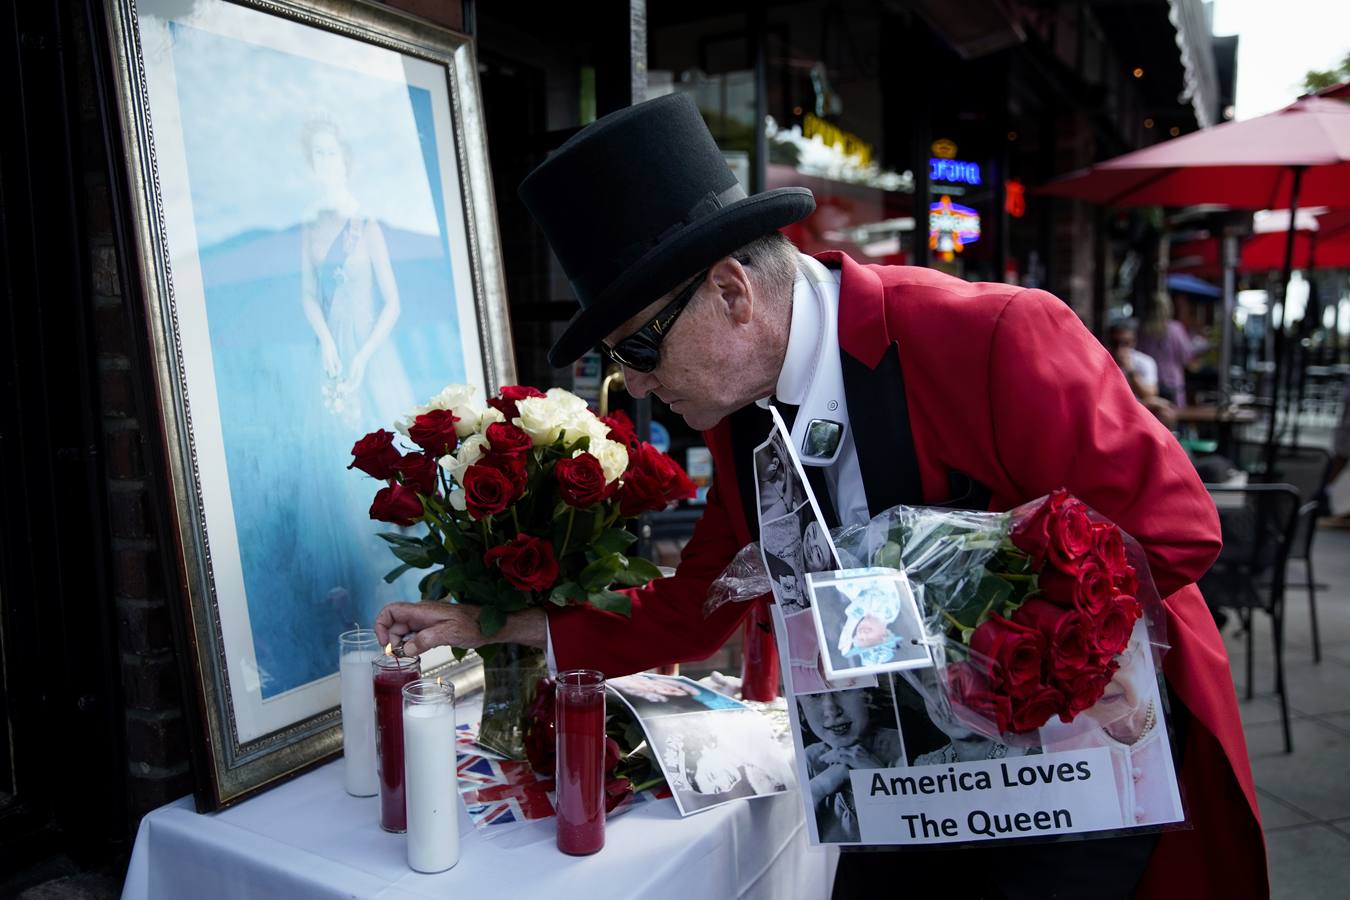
(637, 202)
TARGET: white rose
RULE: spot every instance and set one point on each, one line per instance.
(566, 400)
(453, 396)
(468, 453)
(583, 424)
(613, 458)
(458, 398)
(490, 416)
(540, 418)
(458, 501)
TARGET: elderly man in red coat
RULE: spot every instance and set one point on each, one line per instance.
(952, 392)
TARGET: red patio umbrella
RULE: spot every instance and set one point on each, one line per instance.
(1298, 154)
(1326, 248)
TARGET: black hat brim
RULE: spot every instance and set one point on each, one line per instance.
(663, 267)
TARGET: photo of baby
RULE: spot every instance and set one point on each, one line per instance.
(653, 695)
(713, 757)
(869, 622)
(842, 731)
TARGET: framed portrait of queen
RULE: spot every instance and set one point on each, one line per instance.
(318, 253)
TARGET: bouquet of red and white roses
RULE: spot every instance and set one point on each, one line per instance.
(1026, 611)
(524, 499)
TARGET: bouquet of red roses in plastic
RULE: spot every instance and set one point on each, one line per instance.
(524, 499)
(1026, 611)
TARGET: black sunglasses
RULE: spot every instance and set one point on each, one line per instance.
(641, 350)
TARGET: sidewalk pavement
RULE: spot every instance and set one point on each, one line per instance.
(1305, 795)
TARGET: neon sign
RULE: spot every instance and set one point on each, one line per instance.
(1015, 200)
(945, 168)
(953, 171)
(950, 227)
(834, 136)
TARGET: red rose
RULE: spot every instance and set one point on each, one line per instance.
(972, 700)
(1126, 581)
(1115, 625)
(622, 429)
(525, 561)
(1108, 546)
(675, 483)
(617, 790)
(513, 467)
(641, 490)
(421, 472)
(1070, 532)
(434, 431)
(1035, 709)
(505, 402)
(1012, 652)
(1066, 635)
(506, 439)
(376, 455)
(581, 480)
(1089, 590)
(397, 503)
(487, 490)
(1084, 691)
(1031, 532)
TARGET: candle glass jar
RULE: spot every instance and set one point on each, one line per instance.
(357, 649)
(391, 673)
(430, 772)
(579, 715)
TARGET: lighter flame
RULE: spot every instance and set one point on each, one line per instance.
(389, 649)
(438, 681)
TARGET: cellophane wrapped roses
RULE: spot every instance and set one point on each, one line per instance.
(525, 499)
(1026, 611)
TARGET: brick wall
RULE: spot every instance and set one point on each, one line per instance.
(155, 726)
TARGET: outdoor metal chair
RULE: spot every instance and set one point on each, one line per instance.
(1306, 468)
(1258, 523)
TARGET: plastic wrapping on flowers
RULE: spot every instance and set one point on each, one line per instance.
(1025, 612)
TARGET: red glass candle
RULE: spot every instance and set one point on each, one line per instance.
(759, 656)
(580, 719)
(391, 674)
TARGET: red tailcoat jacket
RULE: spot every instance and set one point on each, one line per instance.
(1005, 385)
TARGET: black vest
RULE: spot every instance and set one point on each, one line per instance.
(884, 443)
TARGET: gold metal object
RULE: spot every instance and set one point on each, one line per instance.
(614, 376)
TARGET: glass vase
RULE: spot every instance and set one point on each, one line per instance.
(511, 673)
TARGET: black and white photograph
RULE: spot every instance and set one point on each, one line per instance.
(842, 731)
(650, 695)
(817, 552)
(781, 541)
(780, 490)
(933, 734)
(868, 621)
(711, 758)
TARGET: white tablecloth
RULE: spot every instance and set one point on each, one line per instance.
(308, 838)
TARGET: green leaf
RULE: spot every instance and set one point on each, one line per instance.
(395, 573)
(491, 620)
(615, 540)
(430, 587)
(459, 653)
(415, 555)
(399, 540)
(566, 593)
(637, 573)
(611, 601)
(599, 574)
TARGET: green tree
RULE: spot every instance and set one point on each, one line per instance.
(1317, 80)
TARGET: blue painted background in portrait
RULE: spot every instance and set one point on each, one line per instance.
(312, 565)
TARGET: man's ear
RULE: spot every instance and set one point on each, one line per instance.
(732, 284)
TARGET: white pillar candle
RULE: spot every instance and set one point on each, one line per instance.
(358, 723)
(432, 781)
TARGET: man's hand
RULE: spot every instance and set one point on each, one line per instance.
(421, 626)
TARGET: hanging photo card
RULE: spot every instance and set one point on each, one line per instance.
(867, 621)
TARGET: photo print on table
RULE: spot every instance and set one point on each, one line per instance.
(713, 757)
(868, 621)
(650, 695)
